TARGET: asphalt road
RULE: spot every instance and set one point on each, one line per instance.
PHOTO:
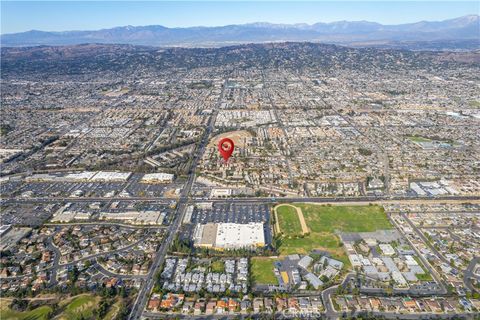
(56, 260)
(253, 199)
(436, 276)
(183, 201)
(145, 290)
(469, 274)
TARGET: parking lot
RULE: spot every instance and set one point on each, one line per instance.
(8, 187)
(104, 189)
(137, 189)
(70, 189)
(235, 213)
(27, 214)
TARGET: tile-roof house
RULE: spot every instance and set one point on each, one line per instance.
(154, 302)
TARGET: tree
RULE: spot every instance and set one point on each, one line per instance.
(339, 290)
(19, 304)
(123, 292)
(103, 308)
(73, 274)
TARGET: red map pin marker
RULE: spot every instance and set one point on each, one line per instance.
(225, 146)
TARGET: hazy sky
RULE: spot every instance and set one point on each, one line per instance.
(20, 16)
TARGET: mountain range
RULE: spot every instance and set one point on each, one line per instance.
(463, 31)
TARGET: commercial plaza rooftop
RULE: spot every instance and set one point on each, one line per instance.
(229, 235)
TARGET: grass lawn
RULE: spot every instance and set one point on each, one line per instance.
(345, 218)
(288, 220)
(323, 241)
(323, 221)
(40, 313)
(418, 139)
(262, 270)
(218, 266)
(424, 277)
(474, 104)
(79, 306)
(113, 312)
(71, 309)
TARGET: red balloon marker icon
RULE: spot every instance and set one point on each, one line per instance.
(225, 146)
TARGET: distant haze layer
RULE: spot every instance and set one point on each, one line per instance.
(464, 30)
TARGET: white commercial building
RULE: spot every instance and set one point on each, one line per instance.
(235, 235)
(305, 262)
(111, 176)
(399, 279)
(68, 216)
(220, 193)
(387, 249)
(188, 215)
(355, 260)
(127, 215)
(410, 260)
(80, 176)
(135, 217)
(204, 205)
(4, 229)
(159, 177)
(229, 235)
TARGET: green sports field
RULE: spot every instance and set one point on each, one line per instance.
(288, 221)
(418, 139)
(323, 221)
(345, 218)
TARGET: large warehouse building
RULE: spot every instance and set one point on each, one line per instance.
(229, 235)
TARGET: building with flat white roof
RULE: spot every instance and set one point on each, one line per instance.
(64, 216)
(4, 229)
(81, 215)
(159, 177)
(149, 217)
(204, 205)
(188, 215)
(399, 279)
(305, 262)
(387, 249)
(235, 235)
(229, 235)
(355, 260)
(220, 193)
(80, 176)
(111, 176)
(126, 215)
(205, 235)
(135, 217)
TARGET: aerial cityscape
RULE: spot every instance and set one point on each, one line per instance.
(279, 177)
